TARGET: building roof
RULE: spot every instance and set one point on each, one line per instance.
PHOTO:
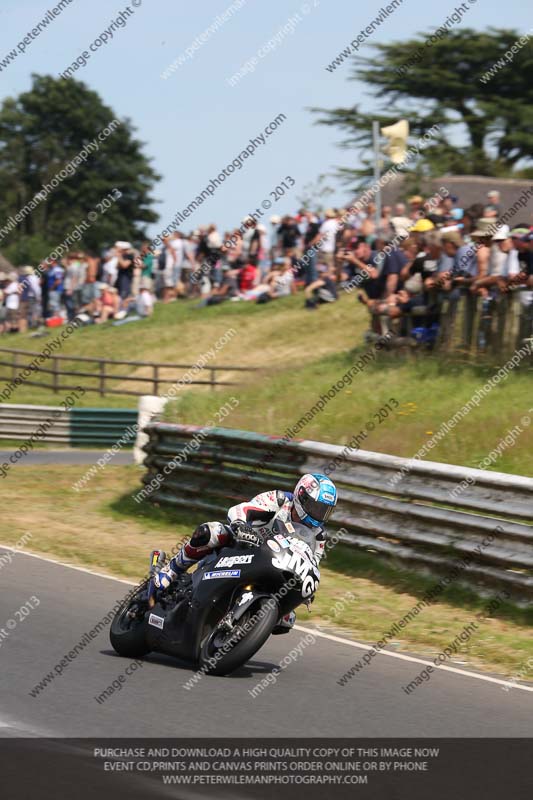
(469, 189)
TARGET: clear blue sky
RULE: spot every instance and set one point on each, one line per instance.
(194, 123)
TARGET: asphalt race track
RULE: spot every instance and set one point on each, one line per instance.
(305, 701)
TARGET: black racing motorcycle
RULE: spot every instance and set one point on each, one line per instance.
(219, 616)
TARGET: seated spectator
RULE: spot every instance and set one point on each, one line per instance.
(323, 290)
(248, 275)
(279, 282)
(144, 303)
(107, 305)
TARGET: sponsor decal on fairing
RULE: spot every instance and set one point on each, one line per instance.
(228, 573)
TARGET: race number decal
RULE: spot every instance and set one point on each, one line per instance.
(300, 560)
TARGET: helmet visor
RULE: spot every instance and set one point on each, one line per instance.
(315, 508)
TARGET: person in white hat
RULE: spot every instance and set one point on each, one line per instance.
(503, 261)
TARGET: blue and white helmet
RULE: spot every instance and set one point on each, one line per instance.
(315, 497)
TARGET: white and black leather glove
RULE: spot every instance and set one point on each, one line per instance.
(245, 534)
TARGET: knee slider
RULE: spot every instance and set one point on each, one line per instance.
(201, 535)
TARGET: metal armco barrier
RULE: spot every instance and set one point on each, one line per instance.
(101, 425)
(75, 427)
(409, 516)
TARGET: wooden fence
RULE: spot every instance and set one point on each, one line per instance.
(103, 378)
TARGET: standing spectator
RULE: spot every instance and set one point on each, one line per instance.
(55, 276)
(110, 266)
(30, 299)
(366, 269)
(385, 225)
(250, 239)
(12, 302)
(3, 309)
(166, 260)
(147, 265)
(328, 234)
(400, 222)
(262, 251)
(493, 204)
(43, 281)
(126, 260)
(503, 262)
(178, 246)
(482, 241)
(416, 207)
(464, 266)
(289, 235)
(310, 242)
(275, 244)
(72, 282)
(389, 281)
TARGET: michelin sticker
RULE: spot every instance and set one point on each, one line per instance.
(228, 573)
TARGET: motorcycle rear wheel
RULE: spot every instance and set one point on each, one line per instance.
(126, 634)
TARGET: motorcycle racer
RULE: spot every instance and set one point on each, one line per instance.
(307, 509)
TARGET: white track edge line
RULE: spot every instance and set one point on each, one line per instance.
(403, 657)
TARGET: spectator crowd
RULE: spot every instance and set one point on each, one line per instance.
(401, 267)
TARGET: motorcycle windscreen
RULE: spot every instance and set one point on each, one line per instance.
(304, 533)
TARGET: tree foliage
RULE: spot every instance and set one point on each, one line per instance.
(41, 132)
(486, 126)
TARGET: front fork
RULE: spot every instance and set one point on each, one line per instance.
(157, 561)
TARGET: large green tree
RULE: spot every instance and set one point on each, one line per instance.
(486, 120)
(41, 132)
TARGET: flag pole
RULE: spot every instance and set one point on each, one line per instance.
(375, 136)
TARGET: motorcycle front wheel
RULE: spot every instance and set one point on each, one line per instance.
(223, 651)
